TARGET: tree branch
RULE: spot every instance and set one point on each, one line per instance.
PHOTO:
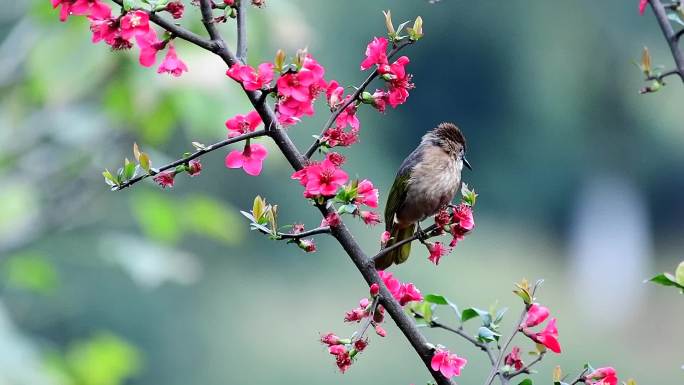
(401, 243)
(670, 36)
(242, 31)
(208, 21)
(362, 262)
(192, 156)
(462, 333)
(354, 97)
(304, 234)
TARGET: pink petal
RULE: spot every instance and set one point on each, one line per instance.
(258, 152)
(234, 159)
(252, 166)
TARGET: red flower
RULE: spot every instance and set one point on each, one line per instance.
(175, 8)
(376, 53)
(374, 290)
(535, 315)
(642, 6)
(337, 136)
(172, 64)
(366, 194)
(334, 93)
(106, 29)
(370, 217)
(360, 345)
(251, 78)
(330, 339)
(463, 215)
(297, 92)
(336, 158)
(380, 331)
(93, 8)
(333, 219)
(250, 159)
(165, 178)
(437, 251)
(308, 245)
(242, 124)
(602, 376)
(342, 358)
(399, 81)
(134, 23)
(448, 364)
(194, 167)
(380, 99)
(384, 238)
(409, 293)
(442, 219)
(149, 45)
(547, 337)
(513, 359)
(321, 179)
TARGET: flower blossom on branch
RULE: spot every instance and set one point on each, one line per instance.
(602, 376)
(250, 159)
(243, 124)
(450, 365)
(250, 78)
(94, 8)
(172, 64)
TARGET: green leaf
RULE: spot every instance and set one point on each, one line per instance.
(436, 299)
(145, 162)
(105, 359)
(31, 272)
(679, 274)
(500, 314)
(665, 279)
(526, 381)
(472, 312)
(129, 169)
(109, 178)
(487, 335)
(157, 216)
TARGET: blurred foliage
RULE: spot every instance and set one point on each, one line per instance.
(31, 272)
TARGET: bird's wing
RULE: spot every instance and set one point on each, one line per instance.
(396, 198)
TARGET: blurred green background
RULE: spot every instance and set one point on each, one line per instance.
(580, 182)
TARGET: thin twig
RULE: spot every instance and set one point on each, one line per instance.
(662, 76)
(670, 36)
(526, 368)
(304, 234)
(426, 234)
(192, 156)
(462, 333)
(369, 319)
(354, 97)
(242, 31)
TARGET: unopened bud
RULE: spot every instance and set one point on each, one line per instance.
(417, 30)
(388, 23)
(367, 97)
(279, 60)
(374, 290)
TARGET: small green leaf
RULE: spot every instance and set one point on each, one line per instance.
(129, 169)
(500, 314)
(679, 274)
(109, 178)
(665, 279)
(436, 299)
(472, 312)
(248, 216)
(526, 381)
(487, 335)
(145, 162)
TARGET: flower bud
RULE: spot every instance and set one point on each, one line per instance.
(417, 30)
(307, 245)
(374, 290)
(388, 23)
(194, 167)
(380, 331)
(279, 60)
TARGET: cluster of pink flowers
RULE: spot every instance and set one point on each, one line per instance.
(321, 179)
(166, 178)
(398, 80)
(297, 91)
(450, 365)
(337, 135)
(458, 223)
(250, 78)
(402, 292)
(602, 376)
(548, 337)
(119, 32)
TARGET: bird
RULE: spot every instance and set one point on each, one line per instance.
(427, 180)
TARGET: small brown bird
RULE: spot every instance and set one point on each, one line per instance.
(427, 180)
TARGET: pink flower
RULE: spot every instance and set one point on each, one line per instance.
(165, 178)
(250, 159)
(330, 339)
(380, 99)
(333, 219)
(194, 167)
(384, 238)
(336, 158)
(409, 293)
(342, 358)
(535, 315)
(442, 219)
(513, 359)
(642, 6)
(250, 78)
(547, 337)
(376, 53)
(448, 364)
(360, 345)
(366, 194)
(370, 217)
(334, 93)
(393, 284)
(399, 81)
(308, 245)
(602, 376)
(172, 64)
(321, 179)
(106, 29)
(297, 92)
(437, 251)
(175, 8)
(149, 46)
(93, 8)
(337, 349)
(296, 85)
(380, 331)
(337, 136)
(297, 228)
(242, 124)
(348, 118)
(134, 23)
(463, 215)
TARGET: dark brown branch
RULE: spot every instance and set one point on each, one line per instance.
(208, 21)
(672, 38)
(304, 234)
(353, 99)
(362, 262)
(242, 30)
(192, 156)
(426, 233)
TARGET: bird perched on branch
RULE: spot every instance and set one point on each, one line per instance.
(427, 181)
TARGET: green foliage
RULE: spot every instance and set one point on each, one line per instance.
(31, 272)
(104, 359)
(668, 279)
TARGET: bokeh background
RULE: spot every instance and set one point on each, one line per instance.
(580, 182)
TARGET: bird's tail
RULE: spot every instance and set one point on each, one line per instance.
(400, 254)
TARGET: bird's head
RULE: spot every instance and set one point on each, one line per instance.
(450, 138)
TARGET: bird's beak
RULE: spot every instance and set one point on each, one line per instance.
(467, 164)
